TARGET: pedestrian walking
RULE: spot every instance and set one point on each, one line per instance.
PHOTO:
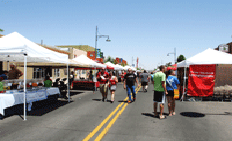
(123, 75)
(172, 83)
(144, 80)
(129, 84)
(152, 77)
(113, 85)
(103, 76)
(160, 91)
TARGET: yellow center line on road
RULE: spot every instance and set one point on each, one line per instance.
(105, 120)
(105, 130)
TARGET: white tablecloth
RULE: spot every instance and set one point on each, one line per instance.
(11, 98)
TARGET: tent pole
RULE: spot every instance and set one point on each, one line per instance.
(95, 83)
(184, 83)
(68, 89)
(25, 86)
(7, 65)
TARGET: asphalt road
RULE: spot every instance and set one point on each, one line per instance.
(87, 117)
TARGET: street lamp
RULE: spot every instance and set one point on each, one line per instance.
(100, 36)
(174, 55)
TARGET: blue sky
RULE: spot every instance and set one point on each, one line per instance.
(147, 29)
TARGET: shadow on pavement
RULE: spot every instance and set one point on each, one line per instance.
(152, 115)
(192, 114)
(225, 113)
(97, 99)
(38, 109)
(126, 101)
(196, 115)
(75, 93)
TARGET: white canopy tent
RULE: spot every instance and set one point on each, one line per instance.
(86, 61)
(116, 67)
(127, 67)
(14, 47)
(208, 56)
(119, 66)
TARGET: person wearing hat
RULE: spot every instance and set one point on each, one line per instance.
(13, 72)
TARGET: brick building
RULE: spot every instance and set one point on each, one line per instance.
(225, 48)
(91, 55)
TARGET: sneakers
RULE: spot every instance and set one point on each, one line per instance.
(134, 99)
(129, 101)
(145, 90)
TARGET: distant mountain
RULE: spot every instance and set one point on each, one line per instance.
(81, 47)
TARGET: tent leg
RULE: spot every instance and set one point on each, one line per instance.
(25, 87)
(95, 83)
(68, 89)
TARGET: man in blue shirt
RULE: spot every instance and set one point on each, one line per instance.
(4, 75)
(171, 83)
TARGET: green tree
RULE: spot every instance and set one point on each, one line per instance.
(168, 64)
(123, 64)
(1, 30)
(108, 59)
(181, 58)
(112, 60)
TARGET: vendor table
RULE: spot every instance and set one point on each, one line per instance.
(83, 85)
(14, 97)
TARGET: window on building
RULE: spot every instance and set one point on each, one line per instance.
(56, 72)
(83, 71)
(65, 72)
(38, 73)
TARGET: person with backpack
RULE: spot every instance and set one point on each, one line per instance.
(172, 82)
(112, 85)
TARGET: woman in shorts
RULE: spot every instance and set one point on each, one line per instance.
(113, 85)
(171, 83)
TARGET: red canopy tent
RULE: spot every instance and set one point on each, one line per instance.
(110, 68)
(173, 67)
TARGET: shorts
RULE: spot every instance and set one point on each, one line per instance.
(170, 93)
(104, 88)
(113, 87)
(143, 83)
(159, 97)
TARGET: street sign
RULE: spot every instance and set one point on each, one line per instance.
(98, 54)
(101, 54)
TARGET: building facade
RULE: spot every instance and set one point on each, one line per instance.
(227, 48)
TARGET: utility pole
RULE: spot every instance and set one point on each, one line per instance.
(96, 43)
(41, 42)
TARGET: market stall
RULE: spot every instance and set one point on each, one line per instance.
(15, 48)
(207, 70)
(87, 84)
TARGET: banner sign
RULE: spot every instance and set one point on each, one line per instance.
(101, 54)
(201, 80)
(98, 55)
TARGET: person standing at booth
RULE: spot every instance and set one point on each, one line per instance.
(103, 76)
(47, 82)
(13, 72)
